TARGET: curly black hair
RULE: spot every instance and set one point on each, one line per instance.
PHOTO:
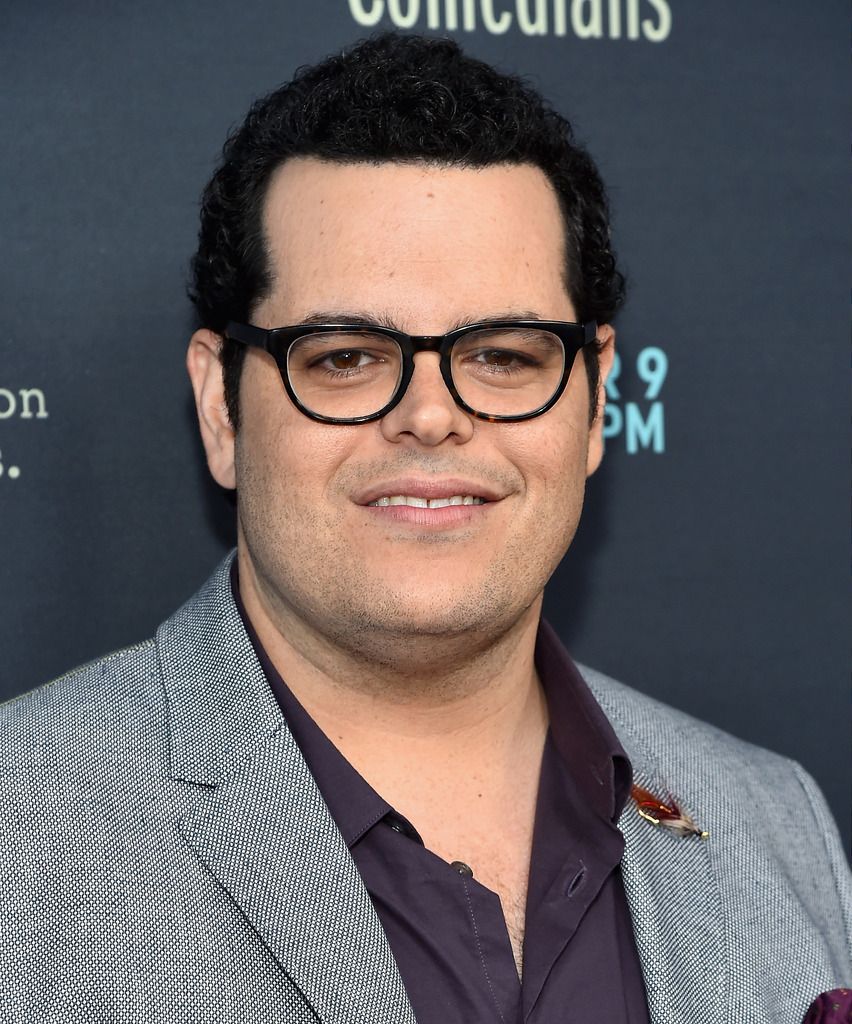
(394, 98)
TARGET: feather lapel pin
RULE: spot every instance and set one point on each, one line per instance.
(666, 815)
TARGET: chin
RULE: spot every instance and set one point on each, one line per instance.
(419, 610)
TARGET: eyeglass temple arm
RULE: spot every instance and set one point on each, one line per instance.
(248, 334)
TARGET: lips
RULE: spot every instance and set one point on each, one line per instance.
(427, 493)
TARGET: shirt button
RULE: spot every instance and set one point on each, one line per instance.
(462, 868)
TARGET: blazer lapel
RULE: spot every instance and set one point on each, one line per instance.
(671, 889)
(260, 825)
(277, 853)
(677, 918)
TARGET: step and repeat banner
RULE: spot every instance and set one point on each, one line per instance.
(711, 567)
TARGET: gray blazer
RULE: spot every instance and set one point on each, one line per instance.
(167, 856)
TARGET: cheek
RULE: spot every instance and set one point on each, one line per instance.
(552, 461)
(278, 449)
(286, 471)
(554, 469)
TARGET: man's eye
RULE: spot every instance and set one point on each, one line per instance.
(502, 359)
(347, 359)
(498, 357)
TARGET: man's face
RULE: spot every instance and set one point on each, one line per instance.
(423, 249)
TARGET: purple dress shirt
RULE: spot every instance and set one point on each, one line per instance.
(446, 930)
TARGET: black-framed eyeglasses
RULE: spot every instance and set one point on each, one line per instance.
(501, 370)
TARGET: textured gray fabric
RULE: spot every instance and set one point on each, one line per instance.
(167, 857)
(750, 924)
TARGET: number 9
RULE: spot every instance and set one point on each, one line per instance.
(652, 365)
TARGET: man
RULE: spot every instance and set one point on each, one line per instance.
(355, 778)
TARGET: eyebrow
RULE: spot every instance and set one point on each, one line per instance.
(386, 320)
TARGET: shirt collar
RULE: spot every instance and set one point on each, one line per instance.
(581, 732)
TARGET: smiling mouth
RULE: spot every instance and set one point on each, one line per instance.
(417, 502)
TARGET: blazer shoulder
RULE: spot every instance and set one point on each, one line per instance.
(660, 728)
(725, 777)
(90, 712)
(760, 807)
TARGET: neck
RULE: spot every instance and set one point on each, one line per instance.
(414, 703)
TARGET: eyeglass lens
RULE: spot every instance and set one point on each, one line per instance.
(498, 371)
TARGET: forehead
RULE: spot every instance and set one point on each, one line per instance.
(411, 238)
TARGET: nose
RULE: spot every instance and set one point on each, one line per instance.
(427, 412)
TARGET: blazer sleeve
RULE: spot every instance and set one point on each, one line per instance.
(838, 864)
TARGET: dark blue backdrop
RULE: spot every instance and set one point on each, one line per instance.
(711, 569)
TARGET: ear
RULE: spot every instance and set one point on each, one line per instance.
(217, 434)
(606, 355)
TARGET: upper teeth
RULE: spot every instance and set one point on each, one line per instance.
(408, 499)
